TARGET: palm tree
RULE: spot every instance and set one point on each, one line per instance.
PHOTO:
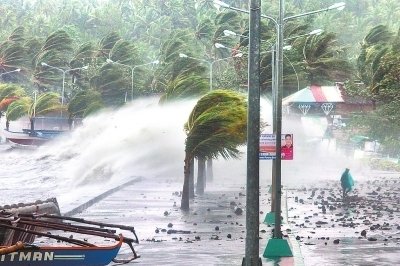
(111, 84)
(83, 104)
(55, 51)
(374, 46)
(323, 59)
(185, 86)
(216, 127)
(8, 94)
(12, 51)
(45, 103)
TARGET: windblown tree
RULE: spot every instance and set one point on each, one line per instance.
(324, 60)
(83, 104)
(180, 77)
(216, 127)
(111, 85)
(55, 51)
(380, 71)
(46, 103)
(374, 46)
(12, 52)
(8, 94)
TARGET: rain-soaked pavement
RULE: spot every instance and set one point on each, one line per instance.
(210, 234)
(321, 229)
(363, 231)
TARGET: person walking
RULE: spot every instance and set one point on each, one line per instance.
(347, 182)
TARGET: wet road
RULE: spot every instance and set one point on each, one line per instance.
(217, 234)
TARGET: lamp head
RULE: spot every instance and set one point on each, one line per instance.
(108, 60)
(229, 33)
(218, 45)
(182, 55)
(339, 6)
(238, 55)
(44, 64)
(17, 70)
(287, 47)
(316, 32)
(220, 3)
(85, 67)
(156, 62)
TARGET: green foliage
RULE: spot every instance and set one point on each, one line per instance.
(185, 86)
(107, 43)
(55, 52)
(111, 84)
(124, 52)
(217, 125)
(383, 164)
(85, 103)
(12, 55)
(45, 103)
(18, 108)
(324, 60)
(11, 90)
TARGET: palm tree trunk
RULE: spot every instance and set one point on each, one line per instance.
(210, 173)
(32, 120)
(191, 179)
(185, 190)
(200, 176)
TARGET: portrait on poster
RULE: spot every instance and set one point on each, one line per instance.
(268, 147)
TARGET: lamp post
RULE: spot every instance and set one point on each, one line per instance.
(271, 250)
(132, 68)
(12, 71)
(64, 72)
(210, 64)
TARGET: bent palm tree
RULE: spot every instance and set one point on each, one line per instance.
(216, 127)
(45, 103)
(8, 94)
(83, 104)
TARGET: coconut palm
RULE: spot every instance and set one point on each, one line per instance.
(55, 51)
(46, 103)
(323, 59)
(83, 104)
(216, 127)
(12, 53)
(8, 94)
(111, 84)
(374, 46)
(185, 86)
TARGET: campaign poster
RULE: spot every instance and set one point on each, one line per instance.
(268, 143)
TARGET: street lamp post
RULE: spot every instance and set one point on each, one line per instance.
(12, 71)
(64, 72)
(278, 118)
(132, 68)
(210, 64)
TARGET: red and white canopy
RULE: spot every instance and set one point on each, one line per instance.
(315, 94)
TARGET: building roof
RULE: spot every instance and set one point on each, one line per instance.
(315, 94)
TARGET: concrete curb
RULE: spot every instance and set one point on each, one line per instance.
(100, 197)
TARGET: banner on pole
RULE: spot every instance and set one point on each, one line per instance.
(268, 143)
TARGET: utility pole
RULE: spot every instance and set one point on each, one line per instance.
(253, 138)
